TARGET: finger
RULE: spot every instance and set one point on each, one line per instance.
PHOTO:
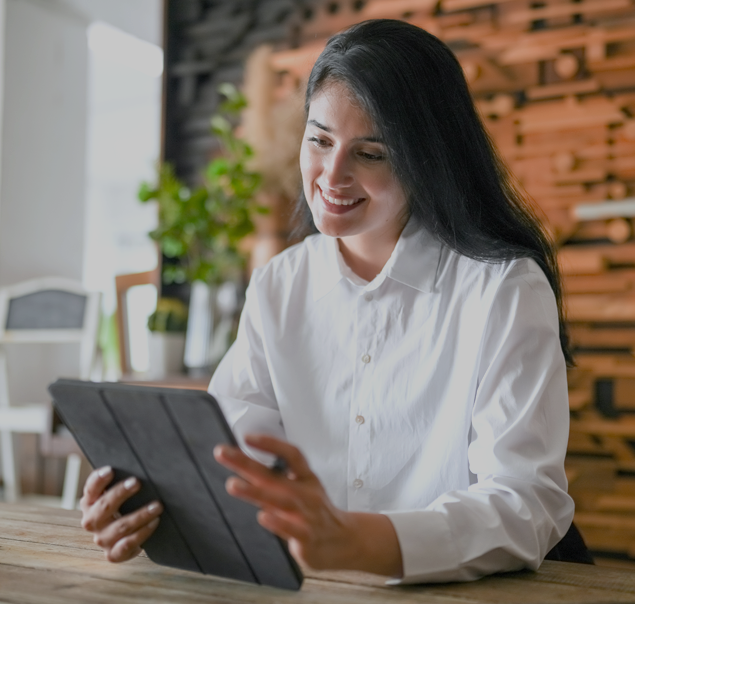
(130, 546)
(127, 525)
(274, 495)
(245, 466)
(281, 525)
(95, 484)
(293, 456)
(103, 511)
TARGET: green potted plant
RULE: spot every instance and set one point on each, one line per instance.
(202, 228)
(167, 326)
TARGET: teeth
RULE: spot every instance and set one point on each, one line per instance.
(336, 201)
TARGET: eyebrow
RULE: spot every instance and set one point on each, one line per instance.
(324, 127)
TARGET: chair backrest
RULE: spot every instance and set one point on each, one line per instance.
(52, 310)
(122, 284)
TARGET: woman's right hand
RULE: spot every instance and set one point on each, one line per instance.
(119, 536)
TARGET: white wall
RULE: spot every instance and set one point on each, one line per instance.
(123, 148)
(2, 76)
(47, 163)
(43, 143)
(44, 118)
(140, 18)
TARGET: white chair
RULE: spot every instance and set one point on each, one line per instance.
(47, 310)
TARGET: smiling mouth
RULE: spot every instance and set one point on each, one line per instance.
(340, 202)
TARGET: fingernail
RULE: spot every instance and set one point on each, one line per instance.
(104, 471)
(128, 484)
(154, 506)
(154, 523)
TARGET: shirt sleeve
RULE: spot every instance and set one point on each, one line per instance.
(519, 508)
(242, 382)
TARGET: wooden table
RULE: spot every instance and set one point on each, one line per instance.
(45, 556)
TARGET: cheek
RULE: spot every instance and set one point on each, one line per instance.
(394, 193)
(385, 183)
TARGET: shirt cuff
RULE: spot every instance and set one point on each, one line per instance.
(426, 544)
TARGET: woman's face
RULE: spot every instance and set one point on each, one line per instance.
(346, 174)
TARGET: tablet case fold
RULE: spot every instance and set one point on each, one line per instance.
(165, 438)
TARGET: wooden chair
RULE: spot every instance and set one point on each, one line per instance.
(49, 310)
(122, 284)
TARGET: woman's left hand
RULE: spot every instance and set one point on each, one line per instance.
(294, 505)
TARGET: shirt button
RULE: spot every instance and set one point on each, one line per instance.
(360, 420)
(366, 358)
(357, 483)
(368, 297)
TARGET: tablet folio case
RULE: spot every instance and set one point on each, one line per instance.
(165, 438)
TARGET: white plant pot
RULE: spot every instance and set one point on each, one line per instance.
(200, 326)
(165, 354)
(212, 310)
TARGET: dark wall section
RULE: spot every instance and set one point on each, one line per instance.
(207, 42)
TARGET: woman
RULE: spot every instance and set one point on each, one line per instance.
(408, 359)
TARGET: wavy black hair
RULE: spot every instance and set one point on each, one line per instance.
(413, 88)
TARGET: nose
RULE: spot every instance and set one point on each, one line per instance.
(338, 172)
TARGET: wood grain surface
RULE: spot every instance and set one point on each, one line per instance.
(46, 557)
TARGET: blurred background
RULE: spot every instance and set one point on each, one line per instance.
(95, 94)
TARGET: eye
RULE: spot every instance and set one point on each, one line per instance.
(320, 143)
(371, 157)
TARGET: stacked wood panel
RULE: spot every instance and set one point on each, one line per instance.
(554, 82)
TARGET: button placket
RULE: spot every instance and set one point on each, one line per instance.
(359, 434)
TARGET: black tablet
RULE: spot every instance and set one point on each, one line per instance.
(165, 438)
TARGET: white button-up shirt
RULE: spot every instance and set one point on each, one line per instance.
(435, 394)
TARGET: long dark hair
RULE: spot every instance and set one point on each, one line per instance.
(413, 88)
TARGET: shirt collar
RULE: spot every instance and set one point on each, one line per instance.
(414, 262)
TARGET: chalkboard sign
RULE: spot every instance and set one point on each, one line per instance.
(51, 309)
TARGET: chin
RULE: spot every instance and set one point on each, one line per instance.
(331, 228)
(335, 232)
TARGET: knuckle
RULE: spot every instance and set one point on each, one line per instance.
(102, 502)
(114, 533)
(107, 504)
(120, 529)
